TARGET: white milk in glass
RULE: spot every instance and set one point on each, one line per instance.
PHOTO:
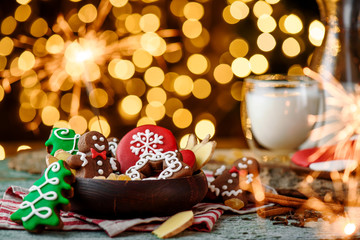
(282, 118)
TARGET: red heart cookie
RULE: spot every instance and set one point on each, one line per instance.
(142, 140)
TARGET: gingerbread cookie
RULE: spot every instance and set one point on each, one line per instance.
(92, 158)
(40, 208)
(159, 165)
(236, 181)
(62, 138)
(141, 141)
(113, 143)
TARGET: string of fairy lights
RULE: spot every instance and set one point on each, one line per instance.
(152, 61)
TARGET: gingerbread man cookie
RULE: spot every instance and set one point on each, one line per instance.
(141, 141)
(47, 196)
(92, 158)
(62, 138)
(236, 181)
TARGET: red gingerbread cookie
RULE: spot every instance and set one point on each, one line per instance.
(141, 141)
(92, 159)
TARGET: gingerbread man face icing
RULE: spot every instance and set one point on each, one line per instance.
(143, 140)
(92, 159)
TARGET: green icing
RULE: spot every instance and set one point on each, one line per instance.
(63, 138)
(38, 207)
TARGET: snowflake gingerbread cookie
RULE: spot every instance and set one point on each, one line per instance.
(141, 141)
(93, 158)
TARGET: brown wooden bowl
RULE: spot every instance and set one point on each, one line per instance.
(140, 198)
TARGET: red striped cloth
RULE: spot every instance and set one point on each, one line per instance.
(205, 217)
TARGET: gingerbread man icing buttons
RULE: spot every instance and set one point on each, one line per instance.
(92, 159)
(62, 138)
(141, 141)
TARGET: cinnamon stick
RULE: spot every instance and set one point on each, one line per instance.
(273, 211)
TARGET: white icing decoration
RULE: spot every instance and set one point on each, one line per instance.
(230, 181)
(249, 162)
(171, 161)
(65, 131)
(99, 147)
(240, 165)
(224, 187)
(113, 163)
(101, 139)
(112, 147)
(42, 212)
(186, 167)
(233, 174)
(145, 143)
(244, 159)
(94, 138)
(101, 172)
(99, 163)
(231, 193)
(220, 170)
(249, 178)
(83, 158)
(213, 188)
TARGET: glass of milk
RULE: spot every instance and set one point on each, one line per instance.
(278, 113)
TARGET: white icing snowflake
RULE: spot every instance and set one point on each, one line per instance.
(146, 142)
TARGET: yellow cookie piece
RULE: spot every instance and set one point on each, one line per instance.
(63, 155)
(234, 203)
(175, 224)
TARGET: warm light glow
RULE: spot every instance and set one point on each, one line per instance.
(238, 48)
(183, 85)
(193, 10)
(197, 64)
(2, 153)
(203, 128)
(192, 28)
(259, 64)
(293, 24)
(87, 13)
(350, 228)
(131, 105)
(266, 23)
(78, 124)
(266, 42)
(316, 33)
(239, 10)
(50, 115)
(23, 147)
(154, 76)
(202, 88)
(100, 124)
(8, 25)
(182, 118)
(223, 74)
(291, 47)
(241, 67)
(261, 8)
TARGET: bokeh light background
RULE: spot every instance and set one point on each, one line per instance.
(179, 64)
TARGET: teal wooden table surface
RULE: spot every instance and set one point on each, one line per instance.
(229, 226)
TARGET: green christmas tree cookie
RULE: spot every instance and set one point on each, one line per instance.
(62, 138)
(42, 205)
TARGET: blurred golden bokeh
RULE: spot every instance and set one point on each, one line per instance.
(114, 64)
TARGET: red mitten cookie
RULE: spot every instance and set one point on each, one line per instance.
(143, 140)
